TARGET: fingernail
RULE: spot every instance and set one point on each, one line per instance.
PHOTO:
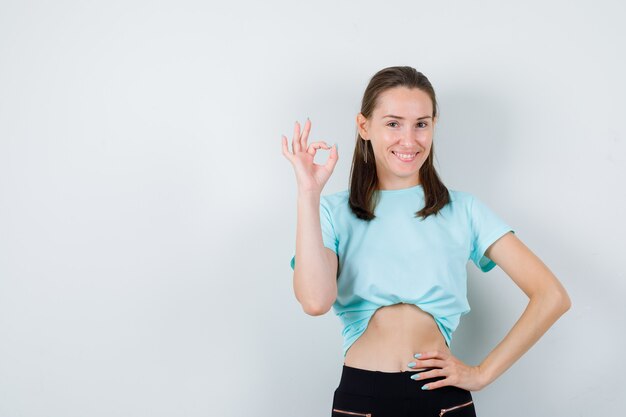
(424, 386)
(417, 355)
(412, 364)
(415, 376)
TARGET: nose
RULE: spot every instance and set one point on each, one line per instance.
(409, 136)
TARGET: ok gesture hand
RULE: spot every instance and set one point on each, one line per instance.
(311, 177)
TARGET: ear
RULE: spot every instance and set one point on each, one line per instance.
(362, 125)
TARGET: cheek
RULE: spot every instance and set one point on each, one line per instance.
(386, 141)
(426, 140)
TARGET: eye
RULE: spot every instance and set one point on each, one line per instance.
(423, 124)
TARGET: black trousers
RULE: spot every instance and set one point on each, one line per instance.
(365, 393)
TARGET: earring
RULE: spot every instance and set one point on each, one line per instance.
(364, 151)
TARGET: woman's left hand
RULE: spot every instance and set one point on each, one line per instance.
(456, 372)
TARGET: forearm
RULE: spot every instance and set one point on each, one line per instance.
(314, 282)
(541, 313)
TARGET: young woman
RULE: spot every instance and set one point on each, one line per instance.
(390, 255)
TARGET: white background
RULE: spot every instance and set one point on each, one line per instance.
(147, 215)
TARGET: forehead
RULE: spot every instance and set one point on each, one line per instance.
(403, 101)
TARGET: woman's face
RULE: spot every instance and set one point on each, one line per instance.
(401, 132)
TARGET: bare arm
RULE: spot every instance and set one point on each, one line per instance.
(315, 271)
(548, 301)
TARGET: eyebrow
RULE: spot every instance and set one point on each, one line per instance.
(402, 118)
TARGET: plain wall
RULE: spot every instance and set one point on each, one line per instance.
(147, 215)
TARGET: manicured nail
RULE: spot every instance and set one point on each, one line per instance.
(411, 364)
(417, 355)
(415, 376)
(424, 386)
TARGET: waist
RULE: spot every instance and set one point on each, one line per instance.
(379, 384)
(392, 336)
(388, 358)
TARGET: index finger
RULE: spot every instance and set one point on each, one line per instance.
(429, 354)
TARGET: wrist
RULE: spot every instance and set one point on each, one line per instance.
(309, 195)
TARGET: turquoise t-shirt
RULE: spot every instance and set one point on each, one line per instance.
(400, 258)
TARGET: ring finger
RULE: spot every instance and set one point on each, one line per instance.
(430, 373)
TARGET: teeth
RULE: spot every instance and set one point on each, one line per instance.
(405, 156)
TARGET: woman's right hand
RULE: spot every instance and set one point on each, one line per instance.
(311, 177)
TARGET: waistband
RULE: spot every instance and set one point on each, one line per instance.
(381, 384)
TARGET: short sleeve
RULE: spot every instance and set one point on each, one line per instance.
(486, 228)
(329, 236)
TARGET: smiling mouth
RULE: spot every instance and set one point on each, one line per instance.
(405, 157)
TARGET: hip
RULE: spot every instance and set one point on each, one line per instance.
(368, 393)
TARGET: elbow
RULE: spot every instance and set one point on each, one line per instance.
(565, 301)
(315, 309)
(557, 299)
(560, 300)
(315, 301)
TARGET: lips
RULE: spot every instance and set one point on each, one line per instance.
(405, 156)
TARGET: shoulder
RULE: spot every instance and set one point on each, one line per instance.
(460, 199)
(459, 194)
(472, 202)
